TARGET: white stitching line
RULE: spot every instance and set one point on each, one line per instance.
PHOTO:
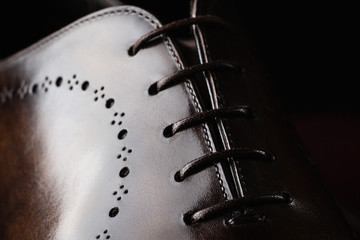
(149, 19)
(214, 77)
(197, 106)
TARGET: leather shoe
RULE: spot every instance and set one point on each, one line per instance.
(118, 126)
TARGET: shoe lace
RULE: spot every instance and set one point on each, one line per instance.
(201, 163)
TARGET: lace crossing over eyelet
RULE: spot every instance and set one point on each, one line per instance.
(131, 51)
(201, 163)
(168, 131)
(182, 75)
(203, 117)
(177, 177)
(228, 206)
(168, 28)
(153, 89)
(206, 161)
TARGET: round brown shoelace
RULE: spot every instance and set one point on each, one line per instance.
(200, 164)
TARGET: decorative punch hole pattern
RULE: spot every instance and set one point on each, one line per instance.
(8, 93)
(104, 235)
(74, 84)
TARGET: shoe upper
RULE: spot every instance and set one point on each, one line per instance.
(83, 155)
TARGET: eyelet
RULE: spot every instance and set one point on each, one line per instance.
(131, 51)
(168, 131)
(153, 90)
(177, 177)
(187, 218)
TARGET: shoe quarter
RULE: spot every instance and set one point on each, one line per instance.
(79, 128)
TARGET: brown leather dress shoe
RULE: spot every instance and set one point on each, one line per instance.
(114, 128)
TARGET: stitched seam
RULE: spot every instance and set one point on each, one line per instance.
(198, 109)
(216, 86)
(220, 180)
(149, 19)
(209, 144)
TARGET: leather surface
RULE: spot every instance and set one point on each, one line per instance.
(61, 171)
(313, 214)
(60, 149)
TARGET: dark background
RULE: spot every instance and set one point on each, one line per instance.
(310, 51)
(311, 56)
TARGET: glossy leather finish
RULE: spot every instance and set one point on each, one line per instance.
(313, 213)
(83, 154)
(60, 149)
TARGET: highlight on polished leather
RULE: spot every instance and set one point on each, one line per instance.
(114, 128)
